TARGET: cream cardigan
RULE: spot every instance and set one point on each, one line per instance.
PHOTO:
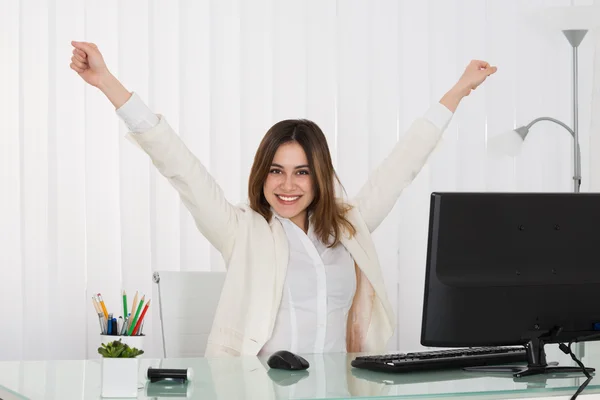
(256, 250)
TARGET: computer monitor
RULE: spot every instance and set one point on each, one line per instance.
(512, 269)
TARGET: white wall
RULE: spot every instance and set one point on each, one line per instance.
(83, 211)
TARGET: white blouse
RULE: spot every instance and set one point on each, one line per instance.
(317, 294)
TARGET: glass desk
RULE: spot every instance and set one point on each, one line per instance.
(329, 377)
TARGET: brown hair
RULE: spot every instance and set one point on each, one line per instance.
(327, 215)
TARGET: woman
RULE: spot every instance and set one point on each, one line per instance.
(302, 271)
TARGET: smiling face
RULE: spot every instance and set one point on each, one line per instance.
(292, 175)
(289, 186)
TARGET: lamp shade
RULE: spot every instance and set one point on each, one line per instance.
(568, 17)
(507, 143)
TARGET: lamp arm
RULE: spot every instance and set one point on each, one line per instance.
(535, 121)
(577, 170)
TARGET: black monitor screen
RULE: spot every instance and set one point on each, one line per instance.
(503, 268)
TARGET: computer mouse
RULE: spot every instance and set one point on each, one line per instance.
(284, 359)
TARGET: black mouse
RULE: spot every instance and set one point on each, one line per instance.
(284, 359)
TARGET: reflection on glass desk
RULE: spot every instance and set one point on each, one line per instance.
(330, 376)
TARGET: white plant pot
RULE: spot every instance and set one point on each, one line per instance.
(119, 377)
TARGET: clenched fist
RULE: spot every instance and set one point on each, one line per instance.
(88, 62)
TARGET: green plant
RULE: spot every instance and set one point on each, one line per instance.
(118, 349)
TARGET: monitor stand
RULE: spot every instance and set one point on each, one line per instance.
(536, 363)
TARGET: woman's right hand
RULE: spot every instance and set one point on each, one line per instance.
(88, 62)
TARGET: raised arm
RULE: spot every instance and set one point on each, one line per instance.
(215, 217)
(88, 62)
(377, 197)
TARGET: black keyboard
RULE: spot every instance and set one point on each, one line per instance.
(442, 359)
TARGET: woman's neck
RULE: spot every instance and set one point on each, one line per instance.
(301, 220)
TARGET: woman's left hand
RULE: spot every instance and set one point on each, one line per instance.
(475, 74)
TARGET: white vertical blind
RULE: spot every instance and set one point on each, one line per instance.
(11, 255)
(353, 93)
(67, 197)
(321, 69)
(83, 211)
(34, 133)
